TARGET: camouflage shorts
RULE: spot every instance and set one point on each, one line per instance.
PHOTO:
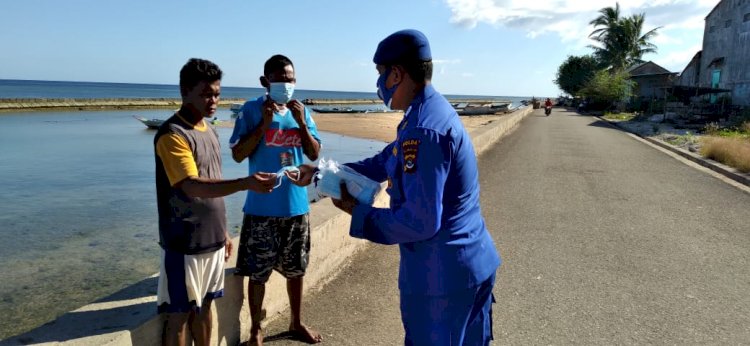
(268, 243)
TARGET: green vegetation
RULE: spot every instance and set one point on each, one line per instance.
(575, 72)
(682, 140)
(619, 116)
(742, 131)
(619, 43)
(606, 88)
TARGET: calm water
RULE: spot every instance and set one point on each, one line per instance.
(87, 90)
(79, 207)
(52, 89)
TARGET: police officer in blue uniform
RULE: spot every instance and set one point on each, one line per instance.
(448, 259)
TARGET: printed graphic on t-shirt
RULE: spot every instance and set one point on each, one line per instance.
(283, 138)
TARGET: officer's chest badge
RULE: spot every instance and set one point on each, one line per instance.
(410, 150)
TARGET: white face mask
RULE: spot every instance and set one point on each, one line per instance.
(281, 92)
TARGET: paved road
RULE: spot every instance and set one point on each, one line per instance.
(605, 240)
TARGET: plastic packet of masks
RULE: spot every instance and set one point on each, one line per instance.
(331, 173)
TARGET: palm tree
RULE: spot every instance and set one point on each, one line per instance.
(609, 19)
(638, 43)
(621, 42)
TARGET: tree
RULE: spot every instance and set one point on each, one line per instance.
(638, 43)
(574, 72)
(622, 42)
(606, 88)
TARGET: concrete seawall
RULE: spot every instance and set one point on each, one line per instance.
(128, 317)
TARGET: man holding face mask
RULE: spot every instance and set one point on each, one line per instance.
(275, 132)
(448, 259)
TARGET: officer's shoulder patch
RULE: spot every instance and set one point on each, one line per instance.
(410, 150)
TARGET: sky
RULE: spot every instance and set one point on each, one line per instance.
(479, 47)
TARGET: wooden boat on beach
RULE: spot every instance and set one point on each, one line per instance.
(350, 110)
(478, 109)
(338, 110)
(150, 123)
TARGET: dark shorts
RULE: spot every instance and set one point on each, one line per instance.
(268, 243)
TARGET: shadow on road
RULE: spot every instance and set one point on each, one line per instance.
(603, 124)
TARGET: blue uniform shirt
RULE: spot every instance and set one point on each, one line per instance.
(280, 146)
(434, 213)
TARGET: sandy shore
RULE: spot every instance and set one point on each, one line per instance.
(377, 126)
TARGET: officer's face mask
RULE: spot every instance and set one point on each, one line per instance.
(281, 92)
(384, 93)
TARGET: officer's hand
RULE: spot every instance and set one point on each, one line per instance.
(304, 177)
(347, 201)
(298, 111)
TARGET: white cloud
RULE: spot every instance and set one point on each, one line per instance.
(467, 75)
(570, 18)
(446, 61)
(677, 60)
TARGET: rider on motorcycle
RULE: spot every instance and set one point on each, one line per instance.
(548, 106)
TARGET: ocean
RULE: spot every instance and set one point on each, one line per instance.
(78, 201)
(11, 89)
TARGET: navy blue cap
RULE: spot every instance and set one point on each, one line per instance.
(401, 46)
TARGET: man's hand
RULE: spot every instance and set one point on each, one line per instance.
(303, 177)
(347, 201)
(298, 111)
(268, 108)
(228, 247)
(261, 182)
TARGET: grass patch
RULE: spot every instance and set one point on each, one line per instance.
(741, 132)
(680, 140)
(619, 116)
(731, 151)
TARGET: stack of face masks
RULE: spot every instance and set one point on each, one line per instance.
(331, 174)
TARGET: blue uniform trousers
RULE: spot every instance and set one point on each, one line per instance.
(459, 319)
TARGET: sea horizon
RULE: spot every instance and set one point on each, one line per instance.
(33, 88)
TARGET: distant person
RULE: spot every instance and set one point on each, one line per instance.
(547, 107)
(192, 221)
(448, 259)
(275, 131)
(548, 103)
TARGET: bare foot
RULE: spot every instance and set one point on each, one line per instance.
(256, 337)
(305, 334)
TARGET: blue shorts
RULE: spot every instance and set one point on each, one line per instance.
(463, 318)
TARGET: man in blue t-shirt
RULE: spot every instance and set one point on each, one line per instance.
(273, 132)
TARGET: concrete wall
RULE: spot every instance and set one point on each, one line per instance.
(690, 76)
(651, 86)
(129, 317)
(727, 34)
